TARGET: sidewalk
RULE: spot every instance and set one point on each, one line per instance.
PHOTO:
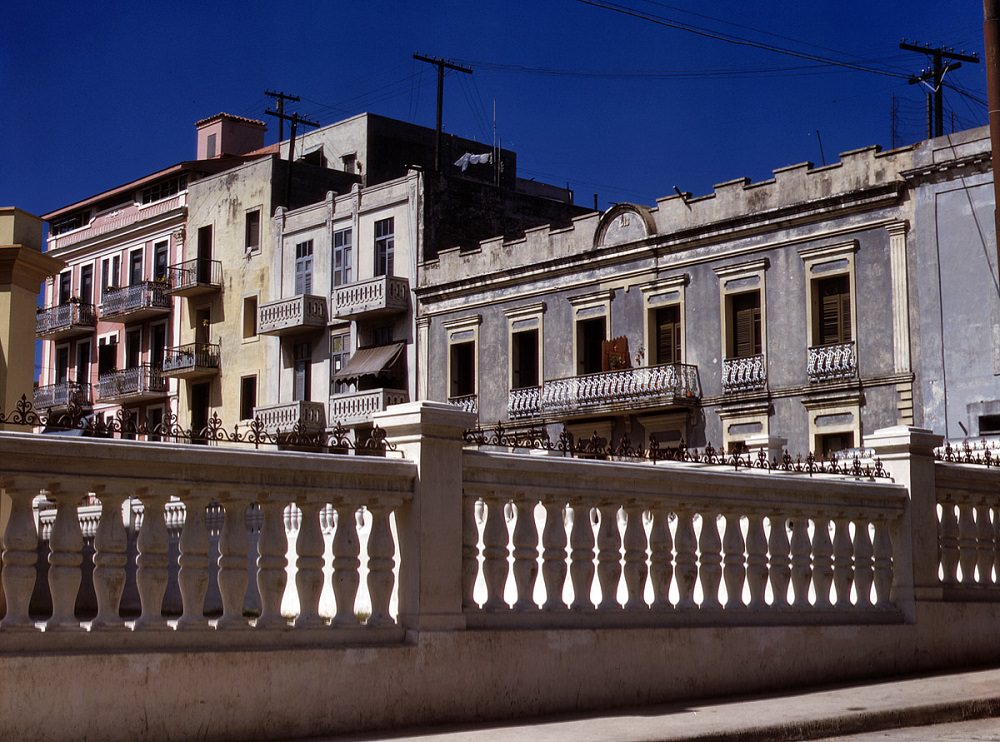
(811, 714)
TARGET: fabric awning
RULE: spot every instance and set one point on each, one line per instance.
(370, 361)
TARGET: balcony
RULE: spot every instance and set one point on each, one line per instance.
(466, 402)
(836, 362)
(136, 302)
(282, 418)
(137, 384)
(65, 321)
(744, 374)
(292, 316)
(358, 407)
(623, 389)
(194, 277)
(191, 361)
(60, 396)
(372, 298)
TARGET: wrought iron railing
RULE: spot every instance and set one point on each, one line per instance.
(194, 272)
(65, 317)
(744, 374)
(63, 395)
(828, 362)
(191, 356)
(378, 294)
(119, 300)
(629, 386)
(142, 379)
(303, 311)
(466, 402)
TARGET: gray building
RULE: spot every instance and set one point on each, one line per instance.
(801, 311)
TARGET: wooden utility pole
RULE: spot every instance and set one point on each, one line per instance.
(441, 65)
(296, 120)
(280, 99)
(940, 67)
(991, 40)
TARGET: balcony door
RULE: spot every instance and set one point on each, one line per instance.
(303, 267)
(133, 348)
(87, 284)
(135, 267)
(590, 335)
(668, 335)
(62, 364)
(107, 355)
(65, 287)
(158, 345)
(205, 254)
(745, 323)
(160, 259)
(83, 362)
(202, 326)
(302, 359)
(199, 411)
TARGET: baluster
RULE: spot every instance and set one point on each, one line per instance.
(110, 558)
(20, 555)
(967, 543)
(711, 560)
(581, 570)
(687, 562)
(495, 553)
(756, 561)
(863, 562)
(153, 560)
(272, 546)
(883, 563)
(525, 540)
(801, 567)
(780, 571)
(843, 562)
(233, 567)
(554, 555)
(609, 557)
(309, 548)
(381, 550)
(984, 544)
(346, 578)
(470, 553)
(949, 543)
(636, 569)
(734, 572)
(995, 567)
(822, 562)
(65, 558)
(661, 569)
(193, 576)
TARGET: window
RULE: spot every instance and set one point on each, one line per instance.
(107, 355)
(342, 257)
(248, 397)
(110, 274)
(524, 359)
(303, 267)
(340, 353)
(252, 231)
(833, 310)
(211, 145)
(65, 287)
(157, 345)
(350, 163)
(249, 317)
(385, 246)
(302, 365)
(135, 267)
(668, 335)
(87, 284)
(463, 369)
(382, 335)
(83, 362)
(164, 189)
(205, 254)
(69, 223)
(833, 443)
(62, 364)
(744, 325)
(160, 259)
(133, 348)
(590, 336)
(154, 419)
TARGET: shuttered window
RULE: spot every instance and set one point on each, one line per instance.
(668, 335)
(834, 300)
(303, 267)
(745, 318)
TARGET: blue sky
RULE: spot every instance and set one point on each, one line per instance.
(98, 93)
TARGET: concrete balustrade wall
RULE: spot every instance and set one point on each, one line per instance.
(500, 584)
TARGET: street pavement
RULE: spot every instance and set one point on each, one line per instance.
(916, 708)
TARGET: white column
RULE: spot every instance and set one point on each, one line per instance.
(900, 296)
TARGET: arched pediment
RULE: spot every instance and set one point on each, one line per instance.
(624, 223)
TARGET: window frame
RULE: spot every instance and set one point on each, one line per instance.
(588, 307)
(661, 294)
(343, 274)
(385, 247)
(523, 319)
(736, 280)
(460, 331)
(819, 264)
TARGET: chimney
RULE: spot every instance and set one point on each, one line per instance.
(225, 134)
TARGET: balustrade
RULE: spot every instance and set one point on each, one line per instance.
(137, 300)
(296, 314)
(744, 374)
(829, 362)
(372, 297)
(66, 320)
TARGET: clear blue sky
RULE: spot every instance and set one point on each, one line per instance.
(97, 93)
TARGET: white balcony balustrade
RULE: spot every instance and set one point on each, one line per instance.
(832, 362)
(286, 417)
(295, 315)
(744, 374)
(373, 297)
(358, 407)
(466, 402)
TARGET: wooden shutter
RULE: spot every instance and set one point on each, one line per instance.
(746, 325)
(835, 310)
(668, 335)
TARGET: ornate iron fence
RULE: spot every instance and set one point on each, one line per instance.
(983, 453)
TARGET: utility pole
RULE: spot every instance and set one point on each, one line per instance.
(296, 120)
(991, 40)
(441, 65)
(280, 99)
(943, 61)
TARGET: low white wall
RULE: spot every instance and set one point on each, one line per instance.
(459, 677)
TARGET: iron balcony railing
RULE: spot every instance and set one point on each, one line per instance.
(628, 387)
(374, 296)
(832, 362)
(300, 313)
(357, 407)
(65, 318)
(145, 296)
(466, 402)
(194, 276)
(139, 381)
(191, 358)
(62, 395)
(744, 374)
(289, 417)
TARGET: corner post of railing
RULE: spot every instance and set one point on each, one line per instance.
(907, 454)
(430, 526)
